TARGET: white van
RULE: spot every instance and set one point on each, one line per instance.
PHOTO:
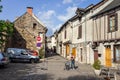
(17, 54)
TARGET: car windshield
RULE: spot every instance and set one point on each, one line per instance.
(24, 52)
(1, 55)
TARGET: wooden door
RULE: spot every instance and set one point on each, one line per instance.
(67, 50)
(95, 55)
(74, 52)
(108, 59)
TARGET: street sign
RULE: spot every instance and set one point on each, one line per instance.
(38, 41)
(38, 45)
(38, 38)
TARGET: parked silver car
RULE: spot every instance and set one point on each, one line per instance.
(4, 60)
(21, 55)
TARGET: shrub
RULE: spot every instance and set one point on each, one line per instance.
(41, 53)
(97, 64)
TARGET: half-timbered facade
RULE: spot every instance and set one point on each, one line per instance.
(106, 34)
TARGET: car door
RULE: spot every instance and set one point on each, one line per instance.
(24, 56)
(16, 55)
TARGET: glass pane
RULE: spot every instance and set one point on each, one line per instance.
(112, 23)
(117, 54)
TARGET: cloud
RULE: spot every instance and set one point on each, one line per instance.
(67, 1)
(51, 19)
(70, 12)
(46, 15)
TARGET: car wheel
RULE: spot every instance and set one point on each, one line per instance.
(10, 60)
(32, 61)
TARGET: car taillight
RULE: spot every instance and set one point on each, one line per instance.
(4, 59)
(34, 54)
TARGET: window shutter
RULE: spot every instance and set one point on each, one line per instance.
(65, 34)
(116, 22)
(108, 23)
(79, 32)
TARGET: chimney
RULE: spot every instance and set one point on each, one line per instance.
(29, 10)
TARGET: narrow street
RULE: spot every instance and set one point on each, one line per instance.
(87, 32)
(51, 69)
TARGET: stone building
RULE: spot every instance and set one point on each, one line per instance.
(27, 29)
(51, 43)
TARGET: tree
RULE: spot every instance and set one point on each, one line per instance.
(6, 30)
(1, 7)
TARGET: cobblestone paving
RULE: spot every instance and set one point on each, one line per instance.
(51, 69)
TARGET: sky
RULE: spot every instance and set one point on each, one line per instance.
(52, 13)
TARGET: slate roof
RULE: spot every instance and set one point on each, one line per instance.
(114, 4)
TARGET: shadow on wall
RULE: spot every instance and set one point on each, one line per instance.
(17, 40)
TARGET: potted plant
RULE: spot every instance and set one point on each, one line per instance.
(97, 66)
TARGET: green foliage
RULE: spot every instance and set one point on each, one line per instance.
(41, 53)
(6, 30)
(1, 7)
(97, 64)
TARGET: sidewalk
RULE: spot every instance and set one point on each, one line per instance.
(85, 69)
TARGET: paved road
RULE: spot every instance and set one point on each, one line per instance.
(51, 69)
(56, 68)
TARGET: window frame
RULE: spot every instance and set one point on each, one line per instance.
(115, 55)
(65, 34)
(115, 26)
(80, 32)
(34, 25)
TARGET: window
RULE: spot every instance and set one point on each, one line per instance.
(65, 34)
(34, 25)
(116, 54)
(112, 22)
(34, 37)
(79, 32)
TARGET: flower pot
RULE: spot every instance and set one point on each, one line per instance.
(97, 72)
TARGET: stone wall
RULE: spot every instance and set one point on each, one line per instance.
(27, 29)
